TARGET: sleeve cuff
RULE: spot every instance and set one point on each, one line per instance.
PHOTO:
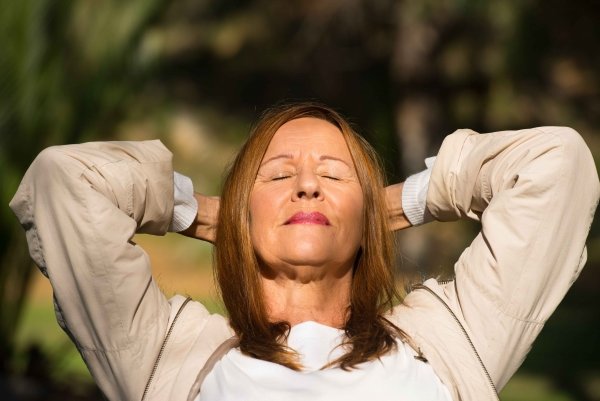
(414, 195)
(186, 207)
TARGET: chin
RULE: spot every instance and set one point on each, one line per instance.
(307, 252)
(316, 257)
(303, 247)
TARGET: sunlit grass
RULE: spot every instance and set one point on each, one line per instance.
(525, 387)
(39, 328)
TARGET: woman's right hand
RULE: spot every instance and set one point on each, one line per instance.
(204, 226)
(393, 197)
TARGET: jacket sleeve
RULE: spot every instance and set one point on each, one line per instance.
(80, 206)
(535, 192)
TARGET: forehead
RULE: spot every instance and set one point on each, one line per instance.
(309, 135)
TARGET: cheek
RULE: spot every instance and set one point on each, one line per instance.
(359, 205)
(350, 208)
(260, 204)
(263, 207)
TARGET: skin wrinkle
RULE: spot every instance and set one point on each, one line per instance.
(307, 268)
(353, 290)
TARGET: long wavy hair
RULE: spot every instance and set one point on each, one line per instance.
(369, 335)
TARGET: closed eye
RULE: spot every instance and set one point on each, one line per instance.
(331, 177)
(280, 178)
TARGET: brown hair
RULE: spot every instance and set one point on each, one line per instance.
(369, 335)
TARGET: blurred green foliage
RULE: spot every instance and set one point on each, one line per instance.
(195, 73)
(64, 76)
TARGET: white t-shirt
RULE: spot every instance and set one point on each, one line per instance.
(396, 376)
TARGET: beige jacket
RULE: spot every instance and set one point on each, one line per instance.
(534, 191)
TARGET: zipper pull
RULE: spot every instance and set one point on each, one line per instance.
(420, 356)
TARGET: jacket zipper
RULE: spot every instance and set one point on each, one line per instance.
(487, 374)
(162, 348)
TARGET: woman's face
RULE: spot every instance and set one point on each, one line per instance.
(306, 205)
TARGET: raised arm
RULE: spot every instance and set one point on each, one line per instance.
(535, 192)
(80, 206)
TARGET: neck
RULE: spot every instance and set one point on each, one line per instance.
(323, 300)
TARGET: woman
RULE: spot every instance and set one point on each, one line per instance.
(303, 259)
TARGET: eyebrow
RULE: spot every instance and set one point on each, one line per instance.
(289, 156)
(326, 157)
(282, 156)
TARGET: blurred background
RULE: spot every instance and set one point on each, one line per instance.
(196, 73)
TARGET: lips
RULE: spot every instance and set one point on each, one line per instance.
(308, 218)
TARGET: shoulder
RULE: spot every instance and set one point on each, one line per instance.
(194, 337)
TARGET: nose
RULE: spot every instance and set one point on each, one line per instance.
(307, 186)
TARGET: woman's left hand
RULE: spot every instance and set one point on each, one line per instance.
(393, 196)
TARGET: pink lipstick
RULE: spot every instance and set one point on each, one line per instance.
(308, 218)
